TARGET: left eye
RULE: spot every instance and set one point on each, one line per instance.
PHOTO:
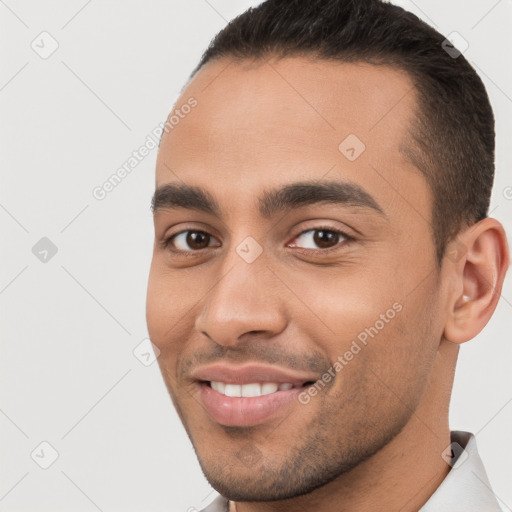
(320, 238)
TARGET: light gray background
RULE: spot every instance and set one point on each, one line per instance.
(70, 325)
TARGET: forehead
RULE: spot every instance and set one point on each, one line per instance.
(290, 119)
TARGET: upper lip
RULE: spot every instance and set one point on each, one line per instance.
(249, 373)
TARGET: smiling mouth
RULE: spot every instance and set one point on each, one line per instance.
(253, 389)
(249, 403)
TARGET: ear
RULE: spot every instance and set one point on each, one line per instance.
(477, 262)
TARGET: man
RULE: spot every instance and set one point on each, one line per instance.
(322, 249)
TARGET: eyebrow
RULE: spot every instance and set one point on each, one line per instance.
(288, 197)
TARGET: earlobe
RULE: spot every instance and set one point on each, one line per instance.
(478, 278)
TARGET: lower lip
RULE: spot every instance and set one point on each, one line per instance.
(246, 411)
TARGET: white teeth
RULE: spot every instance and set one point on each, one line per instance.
(233, 390)
(249, 390)
(218, 386)
(269, 387)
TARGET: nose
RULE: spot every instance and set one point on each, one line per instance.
(246, 299)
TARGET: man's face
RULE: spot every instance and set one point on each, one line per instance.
(260, 291)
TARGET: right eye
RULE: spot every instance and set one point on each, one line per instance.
(189, 241)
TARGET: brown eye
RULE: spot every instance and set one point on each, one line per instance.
(326, 238)
(320, 238)
(190, 240)
(197, 239)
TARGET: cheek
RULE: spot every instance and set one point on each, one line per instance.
(373, 325)
(170, 297)
(340, 305)
(157, 306)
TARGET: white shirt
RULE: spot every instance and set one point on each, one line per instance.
(466, 488)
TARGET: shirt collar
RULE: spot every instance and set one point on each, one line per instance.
(466, 488)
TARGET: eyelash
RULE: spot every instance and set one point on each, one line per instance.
(346, 240)
(340, 245)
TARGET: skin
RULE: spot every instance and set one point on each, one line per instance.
(376, 432)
